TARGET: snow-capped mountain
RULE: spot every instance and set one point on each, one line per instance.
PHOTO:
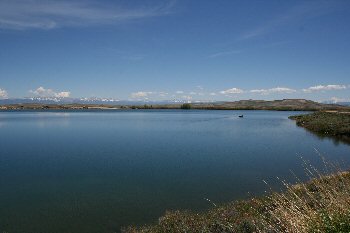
(93, 100)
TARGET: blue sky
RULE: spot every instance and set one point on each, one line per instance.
(175, 49)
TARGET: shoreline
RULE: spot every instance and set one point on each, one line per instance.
(321, 204)
(335, 125)
(275, 105)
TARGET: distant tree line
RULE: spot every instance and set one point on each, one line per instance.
(186, 106)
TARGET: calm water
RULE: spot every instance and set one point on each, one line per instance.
(97, 171)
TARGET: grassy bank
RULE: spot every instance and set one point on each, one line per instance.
(320, 205)
(335, 124)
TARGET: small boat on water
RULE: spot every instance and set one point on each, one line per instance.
(241, 116)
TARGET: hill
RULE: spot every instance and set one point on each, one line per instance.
(279, 105)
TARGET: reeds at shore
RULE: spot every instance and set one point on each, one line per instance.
(320, 205)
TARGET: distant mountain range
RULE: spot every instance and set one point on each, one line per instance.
(104, 101)
(344, 103)
(93, 103)
(110, 101)
(336, 102)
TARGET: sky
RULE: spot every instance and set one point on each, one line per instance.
(175, 49)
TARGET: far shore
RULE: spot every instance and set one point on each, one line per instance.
(275, 105)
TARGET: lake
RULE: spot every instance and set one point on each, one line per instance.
(96, 171)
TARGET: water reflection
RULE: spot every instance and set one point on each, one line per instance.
(337, 140)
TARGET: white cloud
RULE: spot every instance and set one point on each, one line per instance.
(48, 14)
(148, 94)
(337, 100)
(325, 88)
(3, 94)
(141, 94)
(232, 91)
(43, 92)
(63, 94)
(163, 94)
(212, 94)
(186, 97)
(280, 90)
(179, 92)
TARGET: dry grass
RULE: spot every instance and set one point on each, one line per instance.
(320, 205)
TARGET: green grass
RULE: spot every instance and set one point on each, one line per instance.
(325, 123)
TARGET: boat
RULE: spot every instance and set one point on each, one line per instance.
(241, 116)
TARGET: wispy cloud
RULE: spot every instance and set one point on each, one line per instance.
(232, 91)
(306, 10)
(179, 92)
(280, 90)
(276, 44)
(224, 53)
(3, 94)
(331, 87)
(43, 92)
(49, 14)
